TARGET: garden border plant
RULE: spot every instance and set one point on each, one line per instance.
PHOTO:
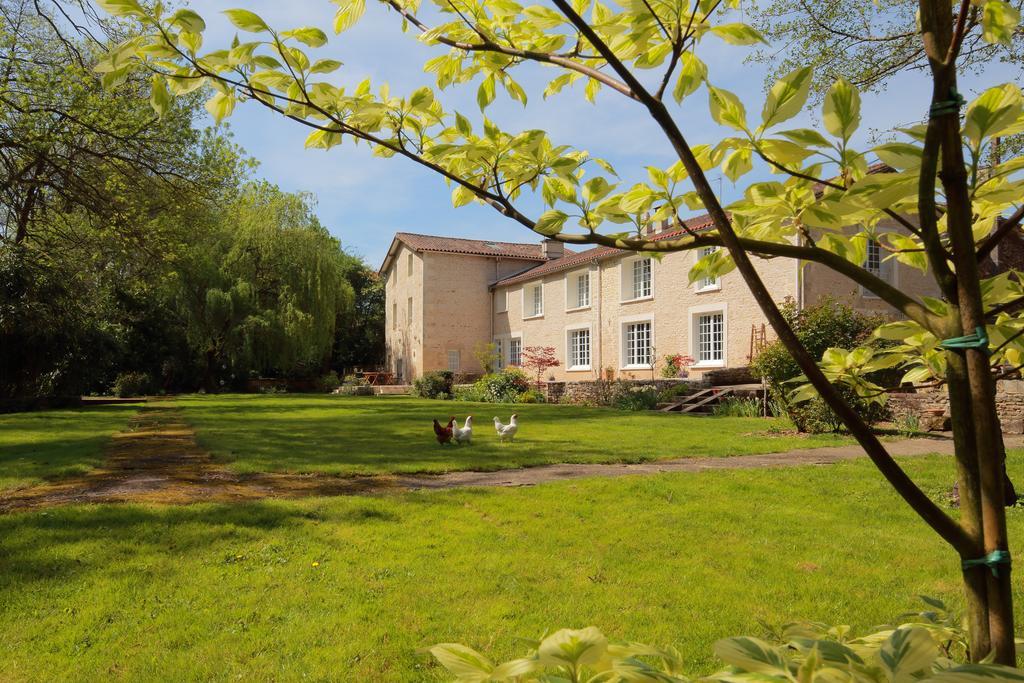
(935, 177)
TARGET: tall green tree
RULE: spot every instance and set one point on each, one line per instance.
(937, 209)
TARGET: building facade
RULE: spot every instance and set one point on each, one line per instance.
(606, 312)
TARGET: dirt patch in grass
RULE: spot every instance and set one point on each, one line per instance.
(158, 460)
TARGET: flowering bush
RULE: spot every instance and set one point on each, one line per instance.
(676, 365)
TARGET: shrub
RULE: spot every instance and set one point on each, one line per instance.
(924, 647)
(676, 365)
(673, 392)
(531, 396)
(130, 384)
(637, 398)
(503, 387)
(820, 327)
(329, 382)
(738, 407)
(437, 384)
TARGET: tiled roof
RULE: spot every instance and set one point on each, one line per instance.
(457, 245)
(599, 253)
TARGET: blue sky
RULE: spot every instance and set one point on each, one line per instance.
(364, 200)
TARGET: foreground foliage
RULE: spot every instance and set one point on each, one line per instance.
(803, 652)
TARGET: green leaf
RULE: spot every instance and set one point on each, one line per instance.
(188, 20)
(421, 98)
(324, 66)
(999, 20)
(575, 648)
(462, 195)
(463, 662)
(485, 93)
(220, 106)
(907, 651)
(692, 72)
(463, 125)
(787, 97)
(596, 189)
(347, 15)
(992, 112)
(246, 20)
(159, 97)
(323, 139)
(977, 673)
(841, 111)
(752, 654)
(737, 164)
(738, 34)
(899, 155)
(550, 222)
(307, 35)
(726, 109)
(122, 8)
(805, 136)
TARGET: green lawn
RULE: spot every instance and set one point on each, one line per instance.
(56, 443)
(349, 435)
(219, 592)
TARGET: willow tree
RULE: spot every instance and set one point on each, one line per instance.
(935, 207)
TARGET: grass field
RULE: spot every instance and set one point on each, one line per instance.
(56, 443)
(349, 588)
(349, 435)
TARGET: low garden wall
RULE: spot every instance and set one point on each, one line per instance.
(601, 392)
(932, 406)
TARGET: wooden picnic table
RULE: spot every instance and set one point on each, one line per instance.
(378, 378)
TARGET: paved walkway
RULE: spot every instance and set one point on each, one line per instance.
(158, 460)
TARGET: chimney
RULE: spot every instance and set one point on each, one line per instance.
(552, 249)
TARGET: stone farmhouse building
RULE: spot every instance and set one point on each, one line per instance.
(606, 312)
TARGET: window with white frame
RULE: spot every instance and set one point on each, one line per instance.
(454, 360)
(535, 301)
(579, 297)
(641, 278)
(707, 283)
(638, 344)
(579, 349)
(515, 351)
(876, 265)
(710, 338)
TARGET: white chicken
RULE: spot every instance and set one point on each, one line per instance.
(507, 431)
(463, 434)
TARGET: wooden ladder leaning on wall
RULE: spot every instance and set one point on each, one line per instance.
(758, 340)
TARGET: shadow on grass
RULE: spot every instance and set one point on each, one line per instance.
(61, 543)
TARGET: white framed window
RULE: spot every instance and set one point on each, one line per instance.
(454, 360)
(707, 284)
(710, 338)
(578, 348)
(637, 278)
(501, 301)
(515, 351)
(408, 265)
(637, 342)
(876, 265)
(641, 278)
(577, 291)
(533, 301)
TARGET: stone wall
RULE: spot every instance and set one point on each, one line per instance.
(928, 403)
(601, 392)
